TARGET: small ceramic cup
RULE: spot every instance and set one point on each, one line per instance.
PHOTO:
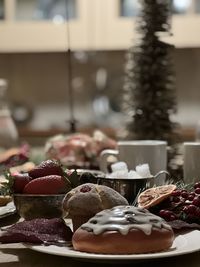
(135, 152)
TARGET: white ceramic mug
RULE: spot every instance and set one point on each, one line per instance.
(191, 159)
(137, 152)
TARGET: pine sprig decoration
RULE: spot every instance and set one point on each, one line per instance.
(149, 99)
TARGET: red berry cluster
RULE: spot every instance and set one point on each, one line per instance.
(182, 205)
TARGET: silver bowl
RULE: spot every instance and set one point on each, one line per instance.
(130, 188)
(30, 206)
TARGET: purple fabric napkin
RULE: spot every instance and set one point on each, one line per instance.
(37, 231)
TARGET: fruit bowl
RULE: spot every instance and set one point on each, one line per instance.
(31, 206)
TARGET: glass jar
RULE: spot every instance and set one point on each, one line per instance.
(8, 130)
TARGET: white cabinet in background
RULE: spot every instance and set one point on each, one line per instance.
(94, 25)
(20, 34)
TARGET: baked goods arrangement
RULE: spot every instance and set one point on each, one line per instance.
(123, 230)
(84, 201)
(116, 223)
(103, 222)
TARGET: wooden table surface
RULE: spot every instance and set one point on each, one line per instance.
(17, 255)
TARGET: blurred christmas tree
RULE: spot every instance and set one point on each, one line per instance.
(149, 98)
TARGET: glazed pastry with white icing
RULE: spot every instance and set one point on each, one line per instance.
(124, 230)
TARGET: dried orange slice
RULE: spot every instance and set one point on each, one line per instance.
(155, 195)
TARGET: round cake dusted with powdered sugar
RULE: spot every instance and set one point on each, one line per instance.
(84, 201)
(123, 230)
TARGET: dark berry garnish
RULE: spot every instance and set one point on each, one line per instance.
(172, 217)
(85, 189)
(182, 205)
(191, 196)
(196, 201)
(176, 199)
(176, 193)
(167, 215)
(190, 209)
(197, 185)
(197, 191)
(184, 194)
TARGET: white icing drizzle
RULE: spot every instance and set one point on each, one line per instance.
(123, 219)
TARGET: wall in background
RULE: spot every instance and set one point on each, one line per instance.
(39, 81)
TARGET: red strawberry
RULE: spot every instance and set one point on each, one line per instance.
(51, 184)
(20, 181)
(47, 167)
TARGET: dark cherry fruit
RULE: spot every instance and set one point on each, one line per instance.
(176, 199)
(191, 196)
(196, 201)
(190, 209)
(176, 193)
(197, 191)
(167, 215)
(197, 185)
(184, 194)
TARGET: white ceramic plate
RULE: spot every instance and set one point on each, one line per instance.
(183, 244)
(7, 210)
